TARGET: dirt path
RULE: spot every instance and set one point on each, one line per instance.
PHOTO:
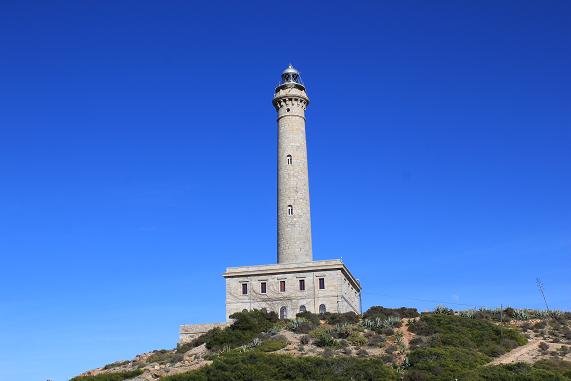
(525, 353)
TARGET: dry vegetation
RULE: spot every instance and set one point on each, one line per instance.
(388, 344)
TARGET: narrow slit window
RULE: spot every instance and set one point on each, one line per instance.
(244, 288)
(290, 210)
(302, 284)
(322, 283)
(289, 160)
(282, 286)
(263, 288)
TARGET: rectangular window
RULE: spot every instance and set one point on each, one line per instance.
(302, 284)
(282, 285)
(244, 288)
(263, 287)
(322, 283)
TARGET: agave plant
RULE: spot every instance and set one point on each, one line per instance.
(296, 323)
(520, 315)
(467, 314)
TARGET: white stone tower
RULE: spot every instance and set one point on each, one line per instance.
(294, 222)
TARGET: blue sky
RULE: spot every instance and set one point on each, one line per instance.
(137, 160)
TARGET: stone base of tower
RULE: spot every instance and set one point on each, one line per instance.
(287, 289)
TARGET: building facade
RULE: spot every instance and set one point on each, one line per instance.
(296, 283)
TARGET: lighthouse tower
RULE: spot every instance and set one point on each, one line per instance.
(296, 283)
(294, 221)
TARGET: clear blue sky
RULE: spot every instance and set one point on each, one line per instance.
(137, 160)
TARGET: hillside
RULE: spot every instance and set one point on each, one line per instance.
(382, 344)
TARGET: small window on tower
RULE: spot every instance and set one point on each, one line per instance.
(302, 285)
(322, 283)
(244, 288)
(282, 285)
(290, 210)
(289, 159)
(263, 288)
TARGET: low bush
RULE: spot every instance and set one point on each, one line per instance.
(383, 313)
(376, 341)
(356, 339)
(514, 372)
(116, 364)
(344, 318)
(312, 318)
(183, 348)
(117, 376)
(325, 340)
(456, 345)
(263, 366)
(305, 339)
(273, 344)
(164, 356)
(443, 363)
(480, 335)
(247, 325)
(555, 365)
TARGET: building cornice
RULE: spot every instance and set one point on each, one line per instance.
(288, 268)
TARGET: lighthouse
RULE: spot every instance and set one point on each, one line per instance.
(293, 211)
(296, 283)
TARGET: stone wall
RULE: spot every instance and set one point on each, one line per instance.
(189, 332)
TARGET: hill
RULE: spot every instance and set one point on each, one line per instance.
(382, 344)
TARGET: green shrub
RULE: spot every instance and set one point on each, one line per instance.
(263, 366)
(312, 318)
(247, 325)
(443, 310)
(376, 341)
(356, 339)
(273, 344)
(116, 364)
(455, 346)
(164, 356)
(183, 348)
(555, 365)
(117, 376)
(325, 340)
(514, 372)
(442, 364)
(455, 331)
(383, 313)
(344, 318)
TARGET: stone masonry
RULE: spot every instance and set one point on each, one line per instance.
(294, 221)
(317, 287)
